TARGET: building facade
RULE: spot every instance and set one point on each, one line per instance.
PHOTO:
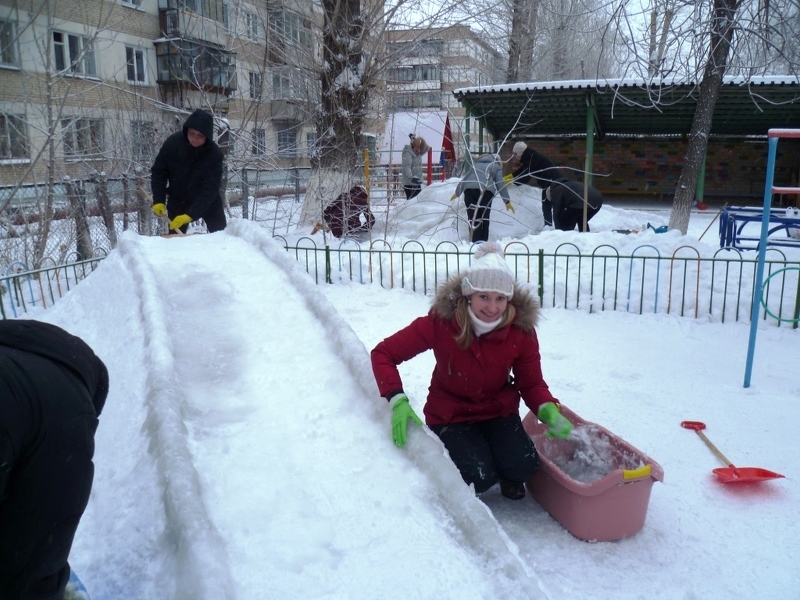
(426, 65)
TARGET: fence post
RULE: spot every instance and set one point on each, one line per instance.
(245, 194)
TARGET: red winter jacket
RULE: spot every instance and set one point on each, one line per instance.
(472, 384)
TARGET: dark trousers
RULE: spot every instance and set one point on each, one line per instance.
(486, 451)
(478, 212)
(412, 190)
(49, 452)
(568, 218)
(547, 208)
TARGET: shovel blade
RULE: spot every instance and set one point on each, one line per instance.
(744, 474)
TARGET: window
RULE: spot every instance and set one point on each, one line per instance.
(13, 137)
(143, 141)
(73, 52)
(8, 43)
(291, 28)
(414, 73)
(259, 142)
(135, 58)
(255, 86)
(82, 137)
(287, 143)
(133, 3)
(311, 144)
(213, 9)
(251, 25)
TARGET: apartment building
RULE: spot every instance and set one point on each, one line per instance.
(428, 64)
(92, 87)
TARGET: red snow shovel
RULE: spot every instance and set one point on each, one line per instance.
(731, 474)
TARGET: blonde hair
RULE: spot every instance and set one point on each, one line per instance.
(467, 332)
(419, 143)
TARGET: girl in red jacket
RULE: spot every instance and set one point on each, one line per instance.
(481, 331)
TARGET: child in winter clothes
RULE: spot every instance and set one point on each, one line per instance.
(479, 185)
(481, 330)
(411, 176)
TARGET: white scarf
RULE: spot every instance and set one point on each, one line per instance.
(482, 327)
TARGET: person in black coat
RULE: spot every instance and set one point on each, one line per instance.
(567, 199)
(186, 176)
(536, 169)
(52, 390)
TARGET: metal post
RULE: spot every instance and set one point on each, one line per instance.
(762, 251)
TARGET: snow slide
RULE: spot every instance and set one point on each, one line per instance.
(244, 452)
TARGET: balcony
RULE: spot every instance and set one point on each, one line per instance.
(198, 64)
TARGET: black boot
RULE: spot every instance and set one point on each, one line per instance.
(512, 490)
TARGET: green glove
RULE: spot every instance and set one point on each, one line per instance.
(179, 221)
(510, 207)
(508, 178)
(558, 426)
(453, 197)
(160, 209)
(401, 413)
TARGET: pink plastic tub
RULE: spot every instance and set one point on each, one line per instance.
(611, 507)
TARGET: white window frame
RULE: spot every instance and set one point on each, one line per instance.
(142, 141)
(131, 3)
(259, 142)
(9, 51)
(138, 65)
(13, 135)
(83, 137)
(251, 25)
(74, 53)
(256, 80)
(287, 143)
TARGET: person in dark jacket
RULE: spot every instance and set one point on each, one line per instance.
(567, 199)
(343, 215)
(536, 169)
(481, 331)
(52, 391)
(186, 176)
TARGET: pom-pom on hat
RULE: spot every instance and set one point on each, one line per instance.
(489, 272)
(519, 148)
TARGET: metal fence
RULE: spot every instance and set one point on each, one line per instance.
(718, 289)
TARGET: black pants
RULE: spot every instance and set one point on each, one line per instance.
(568, 218)
(47, 426)
(486, 451)
(547, 208)
(412, 190)
(478, 212)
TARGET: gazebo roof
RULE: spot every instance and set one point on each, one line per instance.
(745, 107)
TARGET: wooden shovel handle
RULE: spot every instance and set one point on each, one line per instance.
(713, 448)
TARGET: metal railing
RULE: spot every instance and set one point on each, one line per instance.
(21, 290)
(718, 289)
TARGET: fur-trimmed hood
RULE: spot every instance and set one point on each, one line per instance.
(525, 303)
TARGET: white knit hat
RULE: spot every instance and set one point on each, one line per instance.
(489, 272)
(519, 148)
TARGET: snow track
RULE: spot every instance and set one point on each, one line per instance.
(197, 542)
(231, 413)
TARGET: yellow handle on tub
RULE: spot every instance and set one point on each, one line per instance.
(635, 473)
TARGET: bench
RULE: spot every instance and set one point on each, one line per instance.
(784, 227)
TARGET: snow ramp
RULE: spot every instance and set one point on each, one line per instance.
(244, 452)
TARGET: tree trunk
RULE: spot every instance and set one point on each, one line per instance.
(520, 43)
(341, 118)
(76, 192)
(106, 210)
(722, 27)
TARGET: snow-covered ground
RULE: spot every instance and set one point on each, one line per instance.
(244, 451)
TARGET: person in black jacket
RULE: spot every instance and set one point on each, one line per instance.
(536, 169)
(186, 176)
(52, 390)
(567, 199)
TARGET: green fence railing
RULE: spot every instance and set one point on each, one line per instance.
(718, 289)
